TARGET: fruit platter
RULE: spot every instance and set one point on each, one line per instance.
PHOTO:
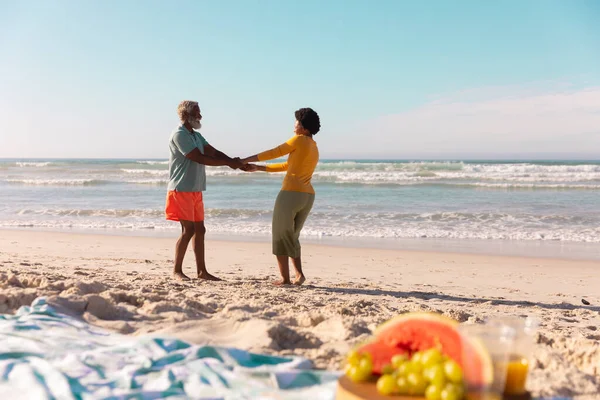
(425, 355)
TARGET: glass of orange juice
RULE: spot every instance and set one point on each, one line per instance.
(485, 353)
(521, 350)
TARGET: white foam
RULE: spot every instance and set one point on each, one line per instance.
(441, 225)
(416, 173)
(146, 172)
(153, 162)
(157, 181)
(112, 213)
(32, 164)
(57, 182)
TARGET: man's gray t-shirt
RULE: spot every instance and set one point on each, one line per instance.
(186, 175)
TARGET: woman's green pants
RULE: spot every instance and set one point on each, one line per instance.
(290, 213)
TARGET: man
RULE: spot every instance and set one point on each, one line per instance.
(190, 152)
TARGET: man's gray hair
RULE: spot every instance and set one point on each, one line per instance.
(185, 108)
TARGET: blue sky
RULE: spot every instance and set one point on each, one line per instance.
(389, 78)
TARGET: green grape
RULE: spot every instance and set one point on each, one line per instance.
(431, 357)
(387, 369)
(402, 385)
(416, 384)
(403, 369)
(456, 388)
(353, 358)
(436, 375)
(367, 356)
(416, 357)
(398, 359)
(448, 395)
(386, 384)
(414, 366)
(453, 371)
(433, 392)
(347, 368)
(366, 366)
(356, 374)
(426, 373)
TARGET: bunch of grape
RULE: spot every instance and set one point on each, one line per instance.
(427, 373)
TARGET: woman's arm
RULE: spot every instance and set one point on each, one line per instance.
(279, 151)
(266, 168)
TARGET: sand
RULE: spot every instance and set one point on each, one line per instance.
(123, 283)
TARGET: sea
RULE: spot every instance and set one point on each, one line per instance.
(550, 206)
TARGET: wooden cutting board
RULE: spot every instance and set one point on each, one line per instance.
(348, 390)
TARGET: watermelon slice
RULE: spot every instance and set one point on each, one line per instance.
(412, 332)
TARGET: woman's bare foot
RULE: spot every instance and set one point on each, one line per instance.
(299, 280)
(208, 277)
(281, 283)
(180, 276)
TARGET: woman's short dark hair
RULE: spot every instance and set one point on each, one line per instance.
(309, 120)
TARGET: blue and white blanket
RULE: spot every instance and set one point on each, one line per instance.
(47, 355)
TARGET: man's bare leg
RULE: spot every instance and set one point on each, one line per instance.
(300, 278)
(200, 232)
(284, 270)
(187, 232)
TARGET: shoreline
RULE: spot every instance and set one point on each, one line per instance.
(576, 251)
(372, 266)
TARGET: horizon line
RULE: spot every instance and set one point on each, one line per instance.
(489, 157)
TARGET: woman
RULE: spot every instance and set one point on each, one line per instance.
(297, 195)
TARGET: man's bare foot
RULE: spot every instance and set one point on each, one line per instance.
(299, 280)
(180, 276)
(208, 277)
(281, 283)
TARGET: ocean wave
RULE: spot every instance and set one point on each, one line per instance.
(113, 213)
(33, 164)
(138, 213)
(422, 232)
(146, 171)
(328, 228)
(540, 186)
(58, 182)
(412, 166)
(336, 223)
(153, 162)
(528, 168)
(160, 178)
(462, 180)
(155, 182)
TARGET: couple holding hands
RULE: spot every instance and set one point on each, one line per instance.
(190, 153)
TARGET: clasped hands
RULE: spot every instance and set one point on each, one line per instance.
(243, 164)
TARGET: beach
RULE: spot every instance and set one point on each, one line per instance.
(123, 283)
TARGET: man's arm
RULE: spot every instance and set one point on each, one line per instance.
(196, 156)
(214, 153)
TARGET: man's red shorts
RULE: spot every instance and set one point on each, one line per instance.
(184, 206)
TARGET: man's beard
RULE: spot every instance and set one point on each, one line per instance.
(195, 123)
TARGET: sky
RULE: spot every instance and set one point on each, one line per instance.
(389, 79)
